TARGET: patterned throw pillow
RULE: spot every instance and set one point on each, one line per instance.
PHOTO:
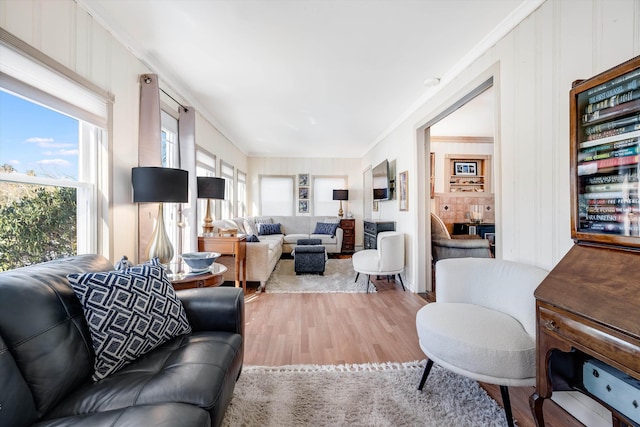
(266, 229)
(129, 313)
(252, 238)
(326, 228)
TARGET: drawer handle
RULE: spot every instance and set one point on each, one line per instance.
(551, 325)
(201, 283)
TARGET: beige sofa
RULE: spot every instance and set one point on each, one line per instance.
(263, 256)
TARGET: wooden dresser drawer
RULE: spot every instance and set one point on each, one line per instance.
(616, 348)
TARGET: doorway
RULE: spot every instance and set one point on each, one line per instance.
(463, 135)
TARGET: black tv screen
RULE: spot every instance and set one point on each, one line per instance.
(381, 188)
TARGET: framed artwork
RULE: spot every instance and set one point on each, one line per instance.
(432, 178)
(403, 190)
(303, 206)
(303, 193)
(303, 179)
(465, 168)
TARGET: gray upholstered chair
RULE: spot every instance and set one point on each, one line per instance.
(444, 246)
(483, 325)
(386, 260)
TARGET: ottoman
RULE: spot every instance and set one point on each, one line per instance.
(309, 257)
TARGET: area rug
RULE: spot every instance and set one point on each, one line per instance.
(338, 278)
(359, 395)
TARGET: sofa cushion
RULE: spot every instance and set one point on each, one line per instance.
(199, 369)
(165, 414)
(16, 402)
(326, 228)
(267, 229)
(42, 323)
(325, 239)
(129, 313)
(250, 227)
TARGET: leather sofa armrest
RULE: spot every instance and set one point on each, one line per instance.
(214, 309)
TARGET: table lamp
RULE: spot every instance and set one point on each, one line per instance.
(210, 188)
(160, 185)
(340, 195)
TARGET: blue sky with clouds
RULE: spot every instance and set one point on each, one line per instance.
(36, 138)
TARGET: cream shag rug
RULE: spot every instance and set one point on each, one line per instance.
(338, 277)
(359, 395)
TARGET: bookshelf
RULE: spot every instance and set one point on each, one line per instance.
(605, 138)
(468, 174)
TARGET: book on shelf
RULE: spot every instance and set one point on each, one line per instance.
(626, 228)
(613, 124)
(611, 112)
(623, 175)
(590, 168)
(612, 209)
(613, 87)
(611, 139)
(620, 186)
(615, 201)
(610, 146)
(612, 101)
(616, 131)
(607, 154)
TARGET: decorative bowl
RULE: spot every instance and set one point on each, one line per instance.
(199, 261)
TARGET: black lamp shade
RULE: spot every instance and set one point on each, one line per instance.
(155, 184)
(340, 194)
(210, 188)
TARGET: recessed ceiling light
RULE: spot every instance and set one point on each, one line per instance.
(432, 81)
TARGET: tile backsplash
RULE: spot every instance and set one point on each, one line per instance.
(456, 208)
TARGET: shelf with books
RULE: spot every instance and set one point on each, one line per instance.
(605, 157)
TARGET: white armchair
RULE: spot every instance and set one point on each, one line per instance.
(386, 260)
(483, 325)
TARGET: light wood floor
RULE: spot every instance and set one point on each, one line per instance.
(286, 329)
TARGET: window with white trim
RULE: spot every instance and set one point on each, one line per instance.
(276, 195)
(205, 166)
(241, 183)
(323, 186)
(227, 172)
(52, 137)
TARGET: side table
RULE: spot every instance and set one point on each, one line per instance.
(235, 246)
(214, 277)
(348, 226)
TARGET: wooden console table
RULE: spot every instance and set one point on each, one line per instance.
(587, 307)
(235, 246)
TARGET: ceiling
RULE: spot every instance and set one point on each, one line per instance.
(307, 78)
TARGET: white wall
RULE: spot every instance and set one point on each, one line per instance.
(533, 68)
(64, 31)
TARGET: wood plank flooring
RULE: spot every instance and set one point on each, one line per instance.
(286, 329)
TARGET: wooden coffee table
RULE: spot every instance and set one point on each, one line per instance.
(214, 277)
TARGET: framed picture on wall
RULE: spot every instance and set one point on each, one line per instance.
(303, 179)
(303, 206)
(465, 168)
(403, 190)
(303, 193)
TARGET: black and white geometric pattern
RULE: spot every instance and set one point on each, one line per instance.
(129, 313)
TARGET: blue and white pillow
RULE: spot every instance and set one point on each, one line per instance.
(129, 313)
(267, 229)
(326, 228)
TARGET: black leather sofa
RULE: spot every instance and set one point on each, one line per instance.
(46, 357)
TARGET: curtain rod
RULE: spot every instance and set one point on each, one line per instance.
(174, 100)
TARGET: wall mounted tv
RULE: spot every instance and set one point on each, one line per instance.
(381, 181)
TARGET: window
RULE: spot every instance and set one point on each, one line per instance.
(52, 137)
(276, 195)
(170, 159)
(205, 166)
(241, 183)
(226, 172)
(323, 203)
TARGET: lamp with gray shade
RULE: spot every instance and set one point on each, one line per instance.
(160, 185)
(340, 195)
(210, 188)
